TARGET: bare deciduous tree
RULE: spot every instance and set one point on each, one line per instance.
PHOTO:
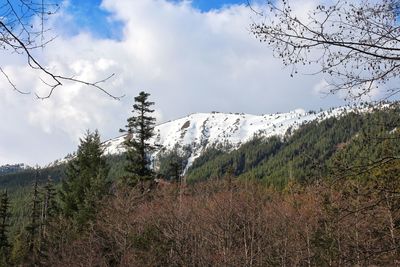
(356, 43)
(222, 223)
(22, 30)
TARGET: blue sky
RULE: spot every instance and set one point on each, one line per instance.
(188, 59)
(88, 15)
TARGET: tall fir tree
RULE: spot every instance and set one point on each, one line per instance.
(49, 205)
(86, 180)
(48, 210)
(33, 228)
(140, 129)
(4, 224)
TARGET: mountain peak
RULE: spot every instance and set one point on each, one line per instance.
(198, 131)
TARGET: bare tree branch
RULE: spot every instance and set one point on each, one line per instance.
(18, 33)
(12, 84)
(356, 44)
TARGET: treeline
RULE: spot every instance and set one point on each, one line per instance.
(310, 153)
(19, 187)
(29, 229)
(17, 180)
(230, 222)
(325, 195)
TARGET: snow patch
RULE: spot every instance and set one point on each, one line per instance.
(203, 130)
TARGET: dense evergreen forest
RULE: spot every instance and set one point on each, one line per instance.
(310, 153)
(325, 194)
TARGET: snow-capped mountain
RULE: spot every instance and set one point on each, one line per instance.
(202, 130)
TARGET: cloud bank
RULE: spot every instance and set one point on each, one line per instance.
(189, 60)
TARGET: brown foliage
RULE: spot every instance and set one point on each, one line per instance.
(238, 224)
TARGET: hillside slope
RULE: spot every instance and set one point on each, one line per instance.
(317, 150)
(200, 131)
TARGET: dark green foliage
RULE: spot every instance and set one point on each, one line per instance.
(49, 206)
(172, 163)
(85, 182)
(30, 242)
(315, 151)
(16, 181)
(34, 224)
(117, 165)
(376, 144)
(4, 219)
(140, 129)
(248, 156)
(207, 156)
(4, 225)
(33, 228)
(11, 168)
(304, 155)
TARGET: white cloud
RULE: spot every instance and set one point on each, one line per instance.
(190, 61)
(322, 87)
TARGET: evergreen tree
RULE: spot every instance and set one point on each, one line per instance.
(85, 182)
(140, 129)
(4, 224)
(171, 164)
(48, 210)
(34, 225)
(49, 206)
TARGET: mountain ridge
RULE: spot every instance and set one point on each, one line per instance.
(199, 131)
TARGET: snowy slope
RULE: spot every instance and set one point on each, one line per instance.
(202, 130)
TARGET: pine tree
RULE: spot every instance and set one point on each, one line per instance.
(34, 225)
(176, 166)
(48, 210)
(49, 206)
(85, 182)
(4, 224)
(140, 129)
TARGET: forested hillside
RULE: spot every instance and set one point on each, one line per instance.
(309, 153)
(326, 166)
(310, 187)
